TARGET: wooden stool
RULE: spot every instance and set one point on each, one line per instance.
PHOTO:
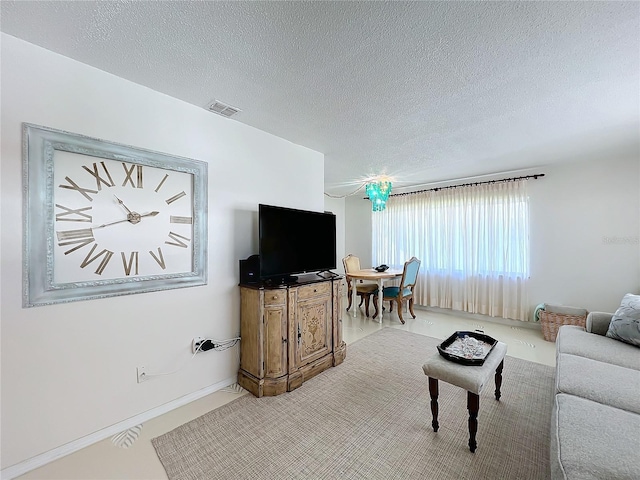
(471, 378)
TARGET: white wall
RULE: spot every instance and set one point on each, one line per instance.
(358, 229)
(69, 370)
(585, 233)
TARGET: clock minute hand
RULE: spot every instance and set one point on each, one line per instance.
(133, 218)
(111, 223)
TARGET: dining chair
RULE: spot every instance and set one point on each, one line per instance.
(364, 290)
(404, 291)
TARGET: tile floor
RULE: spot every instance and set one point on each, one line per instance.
(104, 460)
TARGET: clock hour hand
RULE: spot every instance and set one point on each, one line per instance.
(150, 214)
(133, 217)
(122, 203)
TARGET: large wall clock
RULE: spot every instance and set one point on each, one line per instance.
(104, 219)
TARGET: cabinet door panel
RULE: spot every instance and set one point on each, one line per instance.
(314, 329)
(337, 314)
(251, 331)
(275, 326)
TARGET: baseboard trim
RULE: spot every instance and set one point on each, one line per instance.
(71, 447)
(533, 325)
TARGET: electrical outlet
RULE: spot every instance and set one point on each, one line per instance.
(142, 374)
(195, 342)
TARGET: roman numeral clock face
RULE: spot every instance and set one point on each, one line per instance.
(115, 219)
(103, 219)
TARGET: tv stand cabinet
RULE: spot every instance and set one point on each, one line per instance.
(289, 333)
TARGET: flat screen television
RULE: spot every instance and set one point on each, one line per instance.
(295, 241)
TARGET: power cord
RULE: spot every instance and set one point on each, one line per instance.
(203, 346)
(218, 345)
(147, 374)
(348, 194)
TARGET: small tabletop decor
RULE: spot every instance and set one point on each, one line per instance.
(467, 348)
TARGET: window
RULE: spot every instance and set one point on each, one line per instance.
(473, 243)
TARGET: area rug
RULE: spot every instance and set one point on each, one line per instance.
(370, 418)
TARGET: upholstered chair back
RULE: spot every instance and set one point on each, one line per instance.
(351, 263)
(410, 274)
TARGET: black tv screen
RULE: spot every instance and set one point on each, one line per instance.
(295, 241)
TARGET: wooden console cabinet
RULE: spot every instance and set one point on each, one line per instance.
(289, 333)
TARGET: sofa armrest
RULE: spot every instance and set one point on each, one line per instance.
(598, 322)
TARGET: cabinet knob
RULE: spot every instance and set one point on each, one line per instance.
(315, 290)
(275, 297)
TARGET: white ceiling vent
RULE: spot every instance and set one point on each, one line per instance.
(222, 109)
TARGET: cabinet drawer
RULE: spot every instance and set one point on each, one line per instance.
(275, 297)
(315, 290)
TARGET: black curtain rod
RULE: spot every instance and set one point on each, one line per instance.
(526, 177)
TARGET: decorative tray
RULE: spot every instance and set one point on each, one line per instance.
(467, 348)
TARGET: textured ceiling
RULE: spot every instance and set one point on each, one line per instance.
(421, 91)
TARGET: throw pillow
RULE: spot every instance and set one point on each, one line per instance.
(625, 324)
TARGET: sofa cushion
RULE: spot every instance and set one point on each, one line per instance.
(576, 341)
(593, 441)
(625, 324)
(598, 381)
(598, 322)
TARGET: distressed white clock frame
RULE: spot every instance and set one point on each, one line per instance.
(39, 287)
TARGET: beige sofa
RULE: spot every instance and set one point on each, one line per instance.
(595, 424)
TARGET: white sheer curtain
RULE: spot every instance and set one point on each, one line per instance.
(473, 243)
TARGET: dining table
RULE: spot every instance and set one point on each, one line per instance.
(372, 274)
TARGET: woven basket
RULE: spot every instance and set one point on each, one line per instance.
(551, 323)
